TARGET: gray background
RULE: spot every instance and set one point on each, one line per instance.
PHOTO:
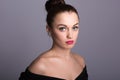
(23, 36)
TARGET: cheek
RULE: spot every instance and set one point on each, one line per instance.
(59, 36)
(76, 35)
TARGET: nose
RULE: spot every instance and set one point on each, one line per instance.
(69, 34)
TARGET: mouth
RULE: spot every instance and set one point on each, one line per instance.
(70, 42)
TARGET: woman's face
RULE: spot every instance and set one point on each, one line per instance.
(65, 29)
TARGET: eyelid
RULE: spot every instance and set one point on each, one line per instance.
(62, 29)
(61, 25)
(75, 28)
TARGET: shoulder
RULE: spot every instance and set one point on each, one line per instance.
(38, 66)
(79, 59)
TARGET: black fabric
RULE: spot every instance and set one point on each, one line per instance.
(27, 75)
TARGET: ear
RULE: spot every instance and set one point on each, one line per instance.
(47, 28)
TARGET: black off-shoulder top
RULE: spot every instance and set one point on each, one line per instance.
(27, 75)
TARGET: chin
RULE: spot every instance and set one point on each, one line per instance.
(69, 46)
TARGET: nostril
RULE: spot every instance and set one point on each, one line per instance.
(69, 36)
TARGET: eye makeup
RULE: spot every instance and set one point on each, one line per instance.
(63, 27)
(75, 28)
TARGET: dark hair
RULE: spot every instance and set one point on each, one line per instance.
(53, 7)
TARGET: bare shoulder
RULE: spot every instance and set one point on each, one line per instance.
(80, 59)
(38, 66)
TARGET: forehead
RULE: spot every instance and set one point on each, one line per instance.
(66, 18)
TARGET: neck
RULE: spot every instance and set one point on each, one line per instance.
(61, 52)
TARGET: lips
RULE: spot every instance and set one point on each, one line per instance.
(69, 42)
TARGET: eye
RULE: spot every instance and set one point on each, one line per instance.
(62, 28)
(75, 28)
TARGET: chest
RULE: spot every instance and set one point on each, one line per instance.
(65, 70)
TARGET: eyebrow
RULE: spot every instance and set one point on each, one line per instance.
(76, 24)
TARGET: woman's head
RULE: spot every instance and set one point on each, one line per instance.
(54, 7)
(63, 23)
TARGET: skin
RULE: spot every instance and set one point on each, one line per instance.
(59, 61)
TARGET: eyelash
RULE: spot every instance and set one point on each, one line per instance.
(75, 28)
(62, 28)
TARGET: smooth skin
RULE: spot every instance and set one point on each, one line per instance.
(59, 61)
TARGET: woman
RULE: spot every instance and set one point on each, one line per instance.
(59, 63)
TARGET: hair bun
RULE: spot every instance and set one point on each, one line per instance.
(52, 3)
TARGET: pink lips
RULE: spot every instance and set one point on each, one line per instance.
(69, 42)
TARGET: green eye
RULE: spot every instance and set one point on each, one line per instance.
(75, 28)
(62, 28)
